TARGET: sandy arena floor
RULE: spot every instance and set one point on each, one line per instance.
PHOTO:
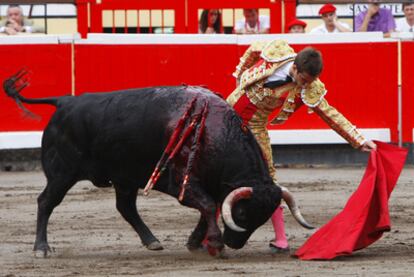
(91, 239)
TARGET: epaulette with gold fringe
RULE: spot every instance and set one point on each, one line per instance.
(249, 58)
(277, 51)
(313, 95)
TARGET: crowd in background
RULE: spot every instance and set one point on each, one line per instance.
(373, 19)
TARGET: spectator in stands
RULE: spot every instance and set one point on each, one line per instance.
(375, 19)
(330, 21)
(15, 22)
(252, 23)
(406, 24)
(210, 22)
(296, 26)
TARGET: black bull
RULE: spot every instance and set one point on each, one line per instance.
(117, 139)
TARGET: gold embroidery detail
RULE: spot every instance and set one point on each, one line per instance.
(314, 94)
(249, 58)
(289, 106)
(277, 51)
(340, 124)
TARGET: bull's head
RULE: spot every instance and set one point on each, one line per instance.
(246, 208)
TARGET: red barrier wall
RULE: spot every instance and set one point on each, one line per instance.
(407, 55)
(50, 75)
(351, 74)
(113, 67)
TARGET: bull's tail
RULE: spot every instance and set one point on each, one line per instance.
(16, 83)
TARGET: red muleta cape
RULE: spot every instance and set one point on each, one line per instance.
(365, 216)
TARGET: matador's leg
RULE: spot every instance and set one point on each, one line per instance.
(262, 137)
(280, 243)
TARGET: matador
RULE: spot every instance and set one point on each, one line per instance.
(271, 77)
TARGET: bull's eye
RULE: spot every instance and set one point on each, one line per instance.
(240, 215)
(244, 128)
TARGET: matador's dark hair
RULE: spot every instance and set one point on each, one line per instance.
(309, 61)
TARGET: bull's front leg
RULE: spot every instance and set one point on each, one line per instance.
(197, 236)
(207, 227)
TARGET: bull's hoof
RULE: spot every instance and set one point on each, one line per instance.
(206, 250)
(197, 248)
(43, 253)
(194, 247)
(155, 246)
(215, 252)
(42, 250)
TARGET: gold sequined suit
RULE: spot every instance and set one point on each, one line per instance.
(254, 102)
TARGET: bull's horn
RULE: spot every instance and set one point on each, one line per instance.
(294, 209)
(233, 197)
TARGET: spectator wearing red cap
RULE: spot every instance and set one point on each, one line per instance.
(296, 26)
(330, 22)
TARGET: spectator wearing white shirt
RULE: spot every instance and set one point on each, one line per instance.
(15, 22)
(406, 24)
(330, 22)
(252, 23)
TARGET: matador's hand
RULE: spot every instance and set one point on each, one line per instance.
(368, 146)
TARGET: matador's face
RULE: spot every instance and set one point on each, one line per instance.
(303, 79)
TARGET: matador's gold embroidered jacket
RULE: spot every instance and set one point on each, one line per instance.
(254, 103)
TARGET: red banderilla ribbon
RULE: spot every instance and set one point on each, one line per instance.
(169, 152)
